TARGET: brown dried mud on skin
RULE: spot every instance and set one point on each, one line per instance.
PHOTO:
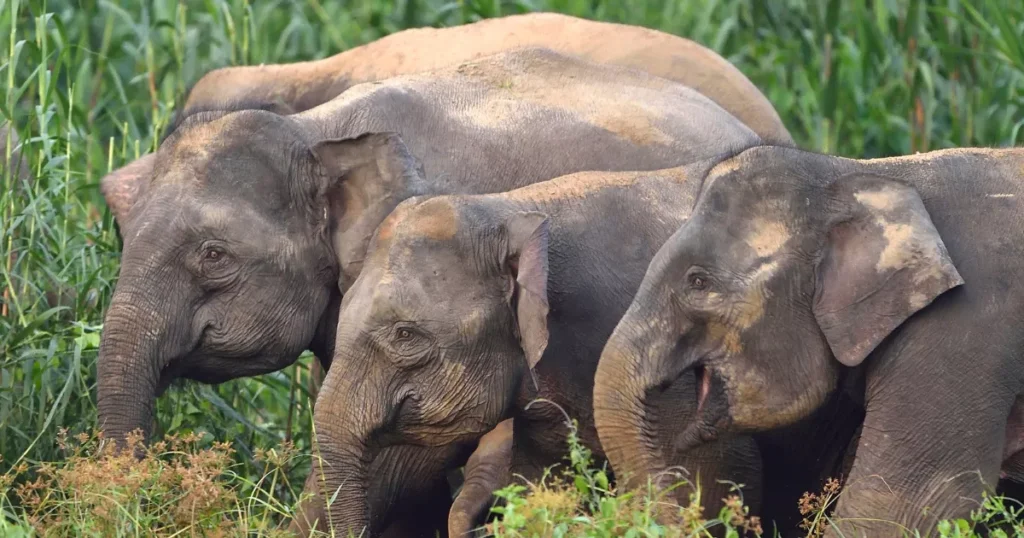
(582, 184)
(304, 85)
(437, 220)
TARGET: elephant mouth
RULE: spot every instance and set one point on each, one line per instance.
(703, 376)
(712, 410)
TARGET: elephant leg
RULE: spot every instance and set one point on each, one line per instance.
(489, 468)
(425, 517)
(1013, 452)
(918, 460)
(800, 458)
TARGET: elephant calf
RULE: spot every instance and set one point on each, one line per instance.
(469, 307)
(799, 273)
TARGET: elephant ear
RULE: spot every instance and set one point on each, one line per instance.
(883, 262)
(364, 179)
(527, 260)
(121, 188)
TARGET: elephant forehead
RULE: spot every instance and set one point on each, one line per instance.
(433, 219)
(430, 297)
(236, 155)
(197, 144)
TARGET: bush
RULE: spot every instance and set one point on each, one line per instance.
(177, 486)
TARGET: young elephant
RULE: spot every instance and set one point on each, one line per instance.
(239, 245)
(798, 273)
(470, 307)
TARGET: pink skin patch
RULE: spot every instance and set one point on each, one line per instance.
(705, 387)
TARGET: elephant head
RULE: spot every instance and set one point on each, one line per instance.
(236, 233)
(434, 338)
(791, 266)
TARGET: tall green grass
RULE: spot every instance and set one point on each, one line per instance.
(90, 85)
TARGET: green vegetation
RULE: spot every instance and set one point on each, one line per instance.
(90, 85)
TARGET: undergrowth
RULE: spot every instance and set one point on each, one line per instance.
(179, 486)
(578, 501)
(189, 486)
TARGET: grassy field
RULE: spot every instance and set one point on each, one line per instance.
(89, 85)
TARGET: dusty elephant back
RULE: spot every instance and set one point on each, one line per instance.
(303, 85)
(530, 115)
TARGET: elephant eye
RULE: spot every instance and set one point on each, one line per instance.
(410, 346)
(697, 280)
(214, 266)
(406, 335)
(214, 254)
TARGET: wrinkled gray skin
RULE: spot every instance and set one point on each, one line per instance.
(470, 307)
(236, 246)
(896, 280)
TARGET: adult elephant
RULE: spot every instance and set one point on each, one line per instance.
(296, 87)
(468, 308)
(290, 88)
(238, 246)
(798, 273)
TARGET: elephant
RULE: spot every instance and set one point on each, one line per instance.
(469, 307)
(296, 87)
(291, 88)
(239, 245)
(798, 275)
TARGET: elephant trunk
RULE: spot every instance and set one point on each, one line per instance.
(128, 372)
(348, 417)
(631, 367)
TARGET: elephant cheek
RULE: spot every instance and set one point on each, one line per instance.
(468, 403)
(756, 403)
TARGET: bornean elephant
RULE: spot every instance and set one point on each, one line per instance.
(296, 87)
(470, 307)
(894, 280)
(238, 246)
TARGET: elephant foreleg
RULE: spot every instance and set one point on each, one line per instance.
(489, 468)
(907, 479)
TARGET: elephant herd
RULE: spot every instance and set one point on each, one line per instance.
(460, 221)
